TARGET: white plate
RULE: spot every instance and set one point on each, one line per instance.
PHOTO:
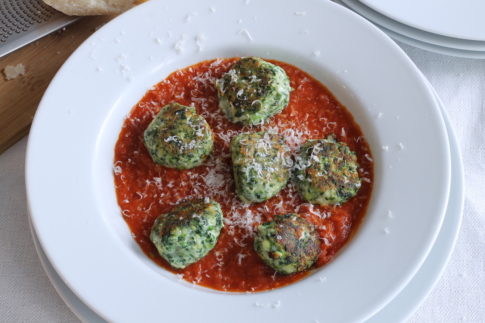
(70, 153)
(84, 313)
(434, 48)
(401, 307)
(420, 35)
(459, 19)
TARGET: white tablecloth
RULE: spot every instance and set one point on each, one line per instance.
(26, 294)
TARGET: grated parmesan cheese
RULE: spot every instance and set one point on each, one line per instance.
(246, 33)
(189, 16)
(273, 305)
(390, 215)
(198, 41)
(276, 304)
(178, 45)
(322, 279)
(13, 71)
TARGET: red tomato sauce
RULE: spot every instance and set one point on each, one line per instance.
(145, 190)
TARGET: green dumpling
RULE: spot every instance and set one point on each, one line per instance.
(261, 165)
(288, 243)
(326, 172)
(188, 232)
(178, 137)
(253, 90)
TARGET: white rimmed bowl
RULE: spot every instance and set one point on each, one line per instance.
(70, 154)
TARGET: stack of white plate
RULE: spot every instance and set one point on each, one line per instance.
(86, 248)
(449, 27)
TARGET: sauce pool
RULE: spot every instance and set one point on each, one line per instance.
(145, 190)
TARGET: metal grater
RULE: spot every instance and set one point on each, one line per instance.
(24, 21)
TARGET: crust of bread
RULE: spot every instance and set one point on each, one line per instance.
(90, 7)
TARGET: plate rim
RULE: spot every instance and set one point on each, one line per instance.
(442, 263)
(434, 48)
(411, 32)
(394, 16)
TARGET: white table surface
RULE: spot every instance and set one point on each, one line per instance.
(26, 294)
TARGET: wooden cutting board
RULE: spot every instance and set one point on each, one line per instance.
(20, 97)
